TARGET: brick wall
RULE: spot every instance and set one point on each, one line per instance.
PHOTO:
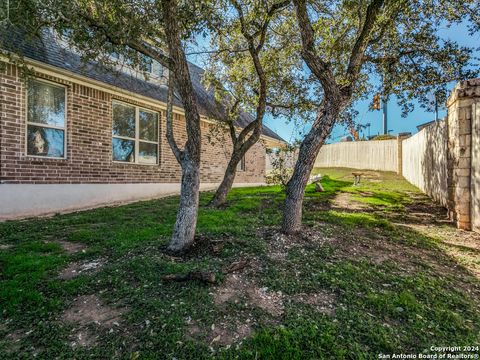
(89, 143)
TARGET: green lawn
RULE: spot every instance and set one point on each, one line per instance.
(376, 270)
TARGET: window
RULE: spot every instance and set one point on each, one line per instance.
(146, 63)
(46, 119)
(157, 69)
(135, 134)
(241, 164)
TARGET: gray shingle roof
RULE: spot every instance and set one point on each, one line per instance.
(50, 51)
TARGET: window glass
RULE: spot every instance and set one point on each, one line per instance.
(135, 134)
(123, 120)
(45, 119)
(148, 126)
(46, 104)
(241, 165)
(123, 150)
(157, 69)
(146, 63)
(43, 141)
(148, 153)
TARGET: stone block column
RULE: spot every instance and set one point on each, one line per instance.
(461, 106)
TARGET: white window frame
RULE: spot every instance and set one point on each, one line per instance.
(64, 128)
(242, 165)
(137, 139)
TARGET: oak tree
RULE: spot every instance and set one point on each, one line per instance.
(348, 45)
(135, 30)
(250, 69)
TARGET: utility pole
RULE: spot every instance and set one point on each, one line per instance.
(384, 107)
(385, 115)
(436, 107)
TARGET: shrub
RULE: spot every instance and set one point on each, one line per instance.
(384, 137)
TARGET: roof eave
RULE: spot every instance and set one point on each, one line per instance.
(67, 75)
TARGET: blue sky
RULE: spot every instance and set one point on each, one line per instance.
(289, 130)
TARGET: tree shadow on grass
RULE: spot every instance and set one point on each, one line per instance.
(397, 290)
(390, 206)
(394, 287)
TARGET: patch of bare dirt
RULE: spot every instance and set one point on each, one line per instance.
(450, 235)
(71, 247)
(237, 287)
(80, 268)
(464, 246)
(280, 244)
(15, 338)
(383, 252)
(323, 302)
(88, 310)
(356, 243)
(364, 243)
(222, 334)
(344, 201)
(425, 213)
(271, 302)
(17, 335)
(242, 289)
(371, 175)
(204, 245)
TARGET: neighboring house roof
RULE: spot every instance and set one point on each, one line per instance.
(424, 125)
(50, 51)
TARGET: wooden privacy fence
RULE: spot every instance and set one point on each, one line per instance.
(373, 155)
(443, 159)
(421, 159)
(424, 161)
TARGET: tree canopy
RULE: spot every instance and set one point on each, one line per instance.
(300, 57)
(348, 45)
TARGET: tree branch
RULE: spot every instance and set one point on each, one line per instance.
(319, 67)
(183, 81)
(255, 125)
(218, 51)
(170, 138)
(263, 30)
(358, 51)
(137, 45)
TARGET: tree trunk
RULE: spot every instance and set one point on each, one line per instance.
(335, 99)
(228, 178)
(240, 145)
(238, 153)
(189, 158)
(184, 230)
(292, 212)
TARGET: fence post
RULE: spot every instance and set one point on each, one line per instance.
(400, 139)
(399, 156)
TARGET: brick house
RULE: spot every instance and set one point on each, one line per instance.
(78, 135)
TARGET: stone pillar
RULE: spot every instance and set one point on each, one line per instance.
(475, 185)
(459, 122)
